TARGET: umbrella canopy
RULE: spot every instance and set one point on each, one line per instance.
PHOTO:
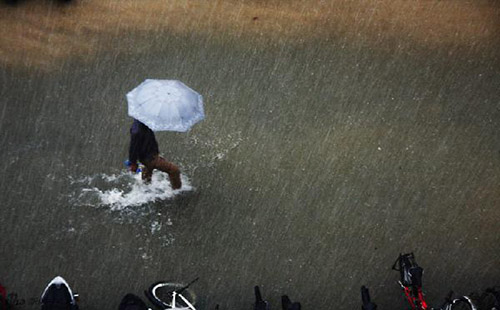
(165, 105)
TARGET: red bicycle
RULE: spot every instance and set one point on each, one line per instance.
(411, 280)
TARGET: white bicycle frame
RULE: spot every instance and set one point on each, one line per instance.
(173, 305)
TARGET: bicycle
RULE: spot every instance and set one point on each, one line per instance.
(58, 295)
(367, 301)
(489, 299)
(260, 304)
(496, 297)
(411, 280)
(457, 303)
(169, 296)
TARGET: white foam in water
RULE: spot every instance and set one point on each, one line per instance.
(128, 190)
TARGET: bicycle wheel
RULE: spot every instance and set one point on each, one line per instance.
(160, 294)
(463, 303)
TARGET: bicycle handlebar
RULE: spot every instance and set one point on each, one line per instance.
(182, 289)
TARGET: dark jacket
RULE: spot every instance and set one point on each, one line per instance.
(143, 145)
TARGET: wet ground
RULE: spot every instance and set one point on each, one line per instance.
(336, 136)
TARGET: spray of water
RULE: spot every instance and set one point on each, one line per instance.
(125, 190)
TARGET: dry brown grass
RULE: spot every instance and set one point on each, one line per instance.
(40, 32)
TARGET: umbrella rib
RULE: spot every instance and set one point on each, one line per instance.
(148, 100)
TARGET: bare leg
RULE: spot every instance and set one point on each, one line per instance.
(173, 171)
(147, 172)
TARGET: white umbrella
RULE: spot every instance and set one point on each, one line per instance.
(165, 105)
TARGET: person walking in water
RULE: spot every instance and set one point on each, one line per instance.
(144, 148)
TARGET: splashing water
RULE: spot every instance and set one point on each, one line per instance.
(123, 190)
